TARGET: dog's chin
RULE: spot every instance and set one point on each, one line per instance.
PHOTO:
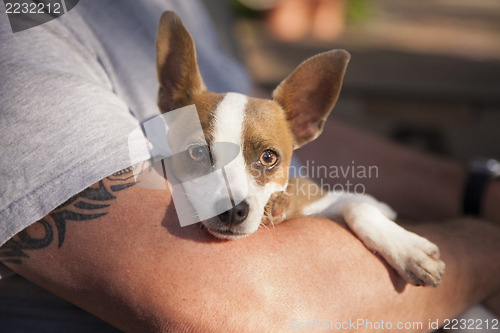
(224, 233)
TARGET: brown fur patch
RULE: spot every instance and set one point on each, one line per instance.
(184, 131)
(290, 203)
(265, 127)
(206, 103)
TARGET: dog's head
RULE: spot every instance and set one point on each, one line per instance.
(249, 140)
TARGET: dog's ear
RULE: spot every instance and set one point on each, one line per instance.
(176, 64)
(310, 92)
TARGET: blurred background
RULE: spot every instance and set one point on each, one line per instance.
(424, 73)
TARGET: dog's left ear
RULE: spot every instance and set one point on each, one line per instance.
(176, 64)
(310, 92)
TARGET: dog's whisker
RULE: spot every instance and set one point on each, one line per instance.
(272, 224)
(266, 227)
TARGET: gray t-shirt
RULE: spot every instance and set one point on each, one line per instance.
(73, 89)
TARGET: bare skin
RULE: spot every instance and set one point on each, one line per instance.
(137, 269)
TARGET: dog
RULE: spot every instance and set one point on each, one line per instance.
(266, 132)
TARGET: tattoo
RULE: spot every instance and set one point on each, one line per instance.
(89, 204)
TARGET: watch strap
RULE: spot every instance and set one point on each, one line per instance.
(481, 172)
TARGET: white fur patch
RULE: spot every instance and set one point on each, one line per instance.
(228, 125)
(217, 192)
(228, 128)
(229, 119)
(323, 206)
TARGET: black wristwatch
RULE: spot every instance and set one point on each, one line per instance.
(481, 172)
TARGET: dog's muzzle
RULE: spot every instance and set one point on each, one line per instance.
(235, 215)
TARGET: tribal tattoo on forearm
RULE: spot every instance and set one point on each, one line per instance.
(89, 204)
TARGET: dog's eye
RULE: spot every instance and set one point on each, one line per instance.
(198, 153)
(268, 158)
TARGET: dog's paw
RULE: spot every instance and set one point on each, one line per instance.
(418, 262)
(414, 258)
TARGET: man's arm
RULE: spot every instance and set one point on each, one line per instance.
(118, 251)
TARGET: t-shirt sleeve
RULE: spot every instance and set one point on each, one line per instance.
(62, 126)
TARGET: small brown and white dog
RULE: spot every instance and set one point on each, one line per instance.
(267, 132)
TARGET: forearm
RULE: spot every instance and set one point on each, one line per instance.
(136, 268)
(471, 250)
(261, 282)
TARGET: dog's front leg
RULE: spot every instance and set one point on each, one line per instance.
(414, 258)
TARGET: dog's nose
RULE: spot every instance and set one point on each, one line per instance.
(235, 215)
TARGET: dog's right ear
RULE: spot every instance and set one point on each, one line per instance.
(176, 64)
